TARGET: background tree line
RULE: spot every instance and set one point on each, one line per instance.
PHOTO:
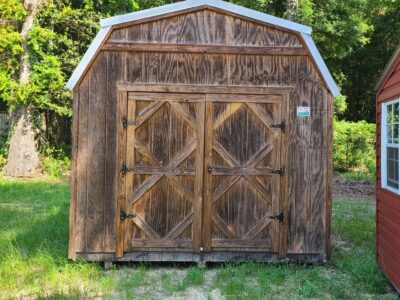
(42, 41)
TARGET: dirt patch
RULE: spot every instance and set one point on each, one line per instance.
(353, 189)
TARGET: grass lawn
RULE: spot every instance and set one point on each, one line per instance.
(33, 263)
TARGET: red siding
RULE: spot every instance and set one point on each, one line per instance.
(387, 203)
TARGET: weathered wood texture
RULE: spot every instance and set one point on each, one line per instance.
(164, 156)
(307, 138)
(205, 27)
(241, 195)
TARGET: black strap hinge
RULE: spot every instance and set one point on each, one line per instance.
(126, 122)
(124, 169)
(279, 217)
(123, 216)
(281, 125)
(280, 172)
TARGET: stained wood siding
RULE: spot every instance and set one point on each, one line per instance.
(387, 203)
(205, 27)
(308, 138)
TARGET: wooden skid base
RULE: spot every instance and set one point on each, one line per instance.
(216, 256)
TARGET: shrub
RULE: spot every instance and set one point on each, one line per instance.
(354, 146)
(56, 163)
(3, 161)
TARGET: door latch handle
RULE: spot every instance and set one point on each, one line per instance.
(209, 170)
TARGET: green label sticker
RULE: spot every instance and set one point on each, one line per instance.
(303, 111)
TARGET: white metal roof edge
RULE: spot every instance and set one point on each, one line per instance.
(388, 67)
(87, 58)
(240, 10)
(107, 25)
(321, 65)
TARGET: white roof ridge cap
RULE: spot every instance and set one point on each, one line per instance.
(240, 10)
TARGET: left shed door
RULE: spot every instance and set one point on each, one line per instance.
(161, 156)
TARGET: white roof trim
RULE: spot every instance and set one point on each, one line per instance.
(240, 10)
(106, 25)
(87, 58)
(330, 82)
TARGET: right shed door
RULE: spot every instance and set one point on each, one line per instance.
(243, 173)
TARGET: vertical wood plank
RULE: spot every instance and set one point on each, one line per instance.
(168, 70)
(120, 196)
(118, 35)
(169, 30)
(134, 34)
(299, 177)
(220, 72)
(278, 152)
(115, 72)
(198, 188)
(318, 149)
(239, 32)
(129, 177)
(208, 205)
(82, 166)
(72, 209)
(284, 157)
(151, 67)
(150, 32)
(223, 32)
(96, 165)
(186, 72)
(190, 31)
(134, 65)
(203, 69)
(328, 209)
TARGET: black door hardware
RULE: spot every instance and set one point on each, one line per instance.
(279, 217)
(281, 125)
(123, 216)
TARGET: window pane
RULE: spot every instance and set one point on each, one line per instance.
(393, 167)
(396, 112)
(389, 134)
(389, 114)
(395, 133)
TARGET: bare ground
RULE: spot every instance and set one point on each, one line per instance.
(353, 189)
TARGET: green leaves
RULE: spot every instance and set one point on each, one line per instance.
(354, 146)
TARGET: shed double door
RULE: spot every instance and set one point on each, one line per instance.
(199, 172)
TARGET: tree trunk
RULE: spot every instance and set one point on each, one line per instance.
(291, 8)
(23, 156)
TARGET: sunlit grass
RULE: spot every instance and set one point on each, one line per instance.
(34, 264)
(33, 243)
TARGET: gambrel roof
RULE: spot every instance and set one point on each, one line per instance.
(107, 25)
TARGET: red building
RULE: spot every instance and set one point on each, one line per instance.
(387, 172)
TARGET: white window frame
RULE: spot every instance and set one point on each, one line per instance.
(385, 144)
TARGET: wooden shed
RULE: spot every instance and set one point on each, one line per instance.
(202, 131)
(387, 171)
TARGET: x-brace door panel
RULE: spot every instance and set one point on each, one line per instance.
(242, 172)
(163, 171)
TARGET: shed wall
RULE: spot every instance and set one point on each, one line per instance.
(387, 203)
(309, 138)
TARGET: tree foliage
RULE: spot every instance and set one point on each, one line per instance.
(355, 37)
(354, 146)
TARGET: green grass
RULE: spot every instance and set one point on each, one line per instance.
(358, 176)
(34, 264)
